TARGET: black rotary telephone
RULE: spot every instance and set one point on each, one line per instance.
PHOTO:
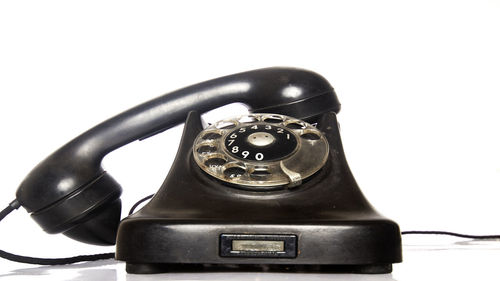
(267, 188)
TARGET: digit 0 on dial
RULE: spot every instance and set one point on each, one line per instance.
(261, 151)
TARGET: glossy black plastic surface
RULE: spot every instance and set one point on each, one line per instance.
(77, 164)
(333, 222)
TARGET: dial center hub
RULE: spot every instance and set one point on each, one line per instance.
(260, 139)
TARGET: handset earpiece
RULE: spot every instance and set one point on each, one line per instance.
(69, 192)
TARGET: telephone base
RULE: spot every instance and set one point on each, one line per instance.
(196, 222)
(153, 268)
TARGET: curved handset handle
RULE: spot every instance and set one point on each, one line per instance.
(52, 190)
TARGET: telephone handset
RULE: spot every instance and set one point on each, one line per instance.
(265, 188)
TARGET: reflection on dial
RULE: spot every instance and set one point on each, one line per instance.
(260, 142)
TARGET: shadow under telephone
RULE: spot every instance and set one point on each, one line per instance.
(267, 188)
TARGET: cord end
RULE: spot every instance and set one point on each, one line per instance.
(15, 204)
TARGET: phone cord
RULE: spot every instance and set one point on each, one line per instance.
(436, 232)
(14, 205)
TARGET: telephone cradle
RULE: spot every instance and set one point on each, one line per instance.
(270, 190)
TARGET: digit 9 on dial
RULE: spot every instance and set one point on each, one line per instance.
(261, 151)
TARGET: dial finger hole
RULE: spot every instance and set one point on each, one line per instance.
(248, 119)
(211, 136)
(310, 136)
(225, 125)
(214, 162)
(260, 173)
(273, 119)
(206, 149)
(234, 172)
(295, 126)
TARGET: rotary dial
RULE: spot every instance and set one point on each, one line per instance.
(261, 151)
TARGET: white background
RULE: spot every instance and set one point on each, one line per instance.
(418, 82)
